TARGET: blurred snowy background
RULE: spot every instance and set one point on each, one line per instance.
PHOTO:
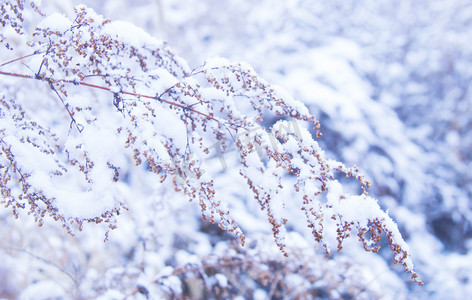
(390, 82)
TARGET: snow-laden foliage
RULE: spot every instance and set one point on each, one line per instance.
(166, 116)
(387, 81)
(392, 81)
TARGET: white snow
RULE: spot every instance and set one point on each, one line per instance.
(56, 22)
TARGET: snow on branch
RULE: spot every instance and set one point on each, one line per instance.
(158, 112)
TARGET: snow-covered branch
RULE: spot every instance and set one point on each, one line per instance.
(118, 95)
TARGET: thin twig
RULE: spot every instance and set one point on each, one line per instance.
(71, 115)
(19, 58)
(74, 279)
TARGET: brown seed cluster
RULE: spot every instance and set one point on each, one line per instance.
(11, 16)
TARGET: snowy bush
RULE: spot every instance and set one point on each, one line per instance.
(93, 110)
